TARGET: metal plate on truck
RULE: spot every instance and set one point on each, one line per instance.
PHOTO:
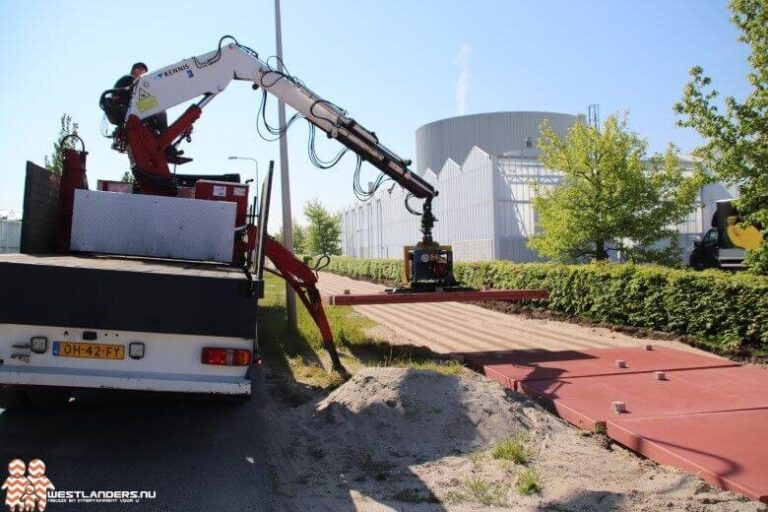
(88, 350)
(153, 226)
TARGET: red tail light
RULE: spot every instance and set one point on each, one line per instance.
(226, 356)
(241, 358)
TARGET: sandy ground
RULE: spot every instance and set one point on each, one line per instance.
(414, 440)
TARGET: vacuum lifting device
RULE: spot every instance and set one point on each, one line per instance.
(202, 78)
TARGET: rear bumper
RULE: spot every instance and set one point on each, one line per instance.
(170, 362)
(102, 379)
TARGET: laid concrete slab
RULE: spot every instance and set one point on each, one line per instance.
(589, 401)
(727, 449)
(514, 366)
(455, 328)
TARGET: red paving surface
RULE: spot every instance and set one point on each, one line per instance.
(513, 366)
(684, 392)
(727, 449)
(710, 417)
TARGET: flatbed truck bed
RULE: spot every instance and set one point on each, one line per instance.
(126, 264)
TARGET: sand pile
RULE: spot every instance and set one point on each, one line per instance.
(413, 440)
(419, 415)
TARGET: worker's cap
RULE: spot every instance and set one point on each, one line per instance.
(139, 65)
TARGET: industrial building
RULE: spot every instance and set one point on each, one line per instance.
(486, 168)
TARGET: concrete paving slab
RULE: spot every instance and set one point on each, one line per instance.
(589, 401)
(456, 328)
(727, 449)
(513, 366)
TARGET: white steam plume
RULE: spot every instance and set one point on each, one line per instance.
(465, 77)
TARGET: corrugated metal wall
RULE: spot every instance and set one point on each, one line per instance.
(477, 212)
(381, 227)
(10, 236)
(464, 207)
(515, 178)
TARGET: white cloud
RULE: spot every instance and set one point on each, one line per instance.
(465, 78)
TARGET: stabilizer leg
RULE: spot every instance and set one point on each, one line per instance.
(303, 281)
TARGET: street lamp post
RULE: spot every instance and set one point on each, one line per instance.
(290, 297)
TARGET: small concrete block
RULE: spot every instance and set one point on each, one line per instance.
(346, 292)
(619, 407)
(660, 375)
(620, 363)
(649, 347)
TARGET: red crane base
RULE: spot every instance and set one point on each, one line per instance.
(460, 296)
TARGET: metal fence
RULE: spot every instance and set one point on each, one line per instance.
(10, 236)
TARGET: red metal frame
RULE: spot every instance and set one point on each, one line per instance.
(449, 296)
(146, 149)
(73, 176)
(304, 282)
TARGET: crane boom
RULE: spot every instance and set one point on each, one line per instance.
(209, 74)
(202, 78)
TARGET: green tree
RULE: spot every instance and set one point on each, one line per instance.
(323, 231)
(55, 162)
(611, 196)
(299, 238)
(736, 138)
(128, 177)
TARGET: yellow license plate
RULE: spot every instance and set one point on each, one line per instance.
(88, 350)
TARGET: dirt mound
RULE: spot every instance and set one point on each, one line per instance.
(413, 440)
(419, 414)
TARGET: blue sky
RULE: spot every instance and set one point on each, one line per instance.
(393, 65)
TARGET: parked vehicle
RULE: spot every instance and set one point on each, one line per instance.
(726, 243)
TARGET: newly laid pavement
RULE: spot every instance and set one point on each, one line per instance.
(452, 327)
(698, 413)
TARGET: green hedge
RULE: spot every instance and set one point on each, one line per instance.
(729, 311)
